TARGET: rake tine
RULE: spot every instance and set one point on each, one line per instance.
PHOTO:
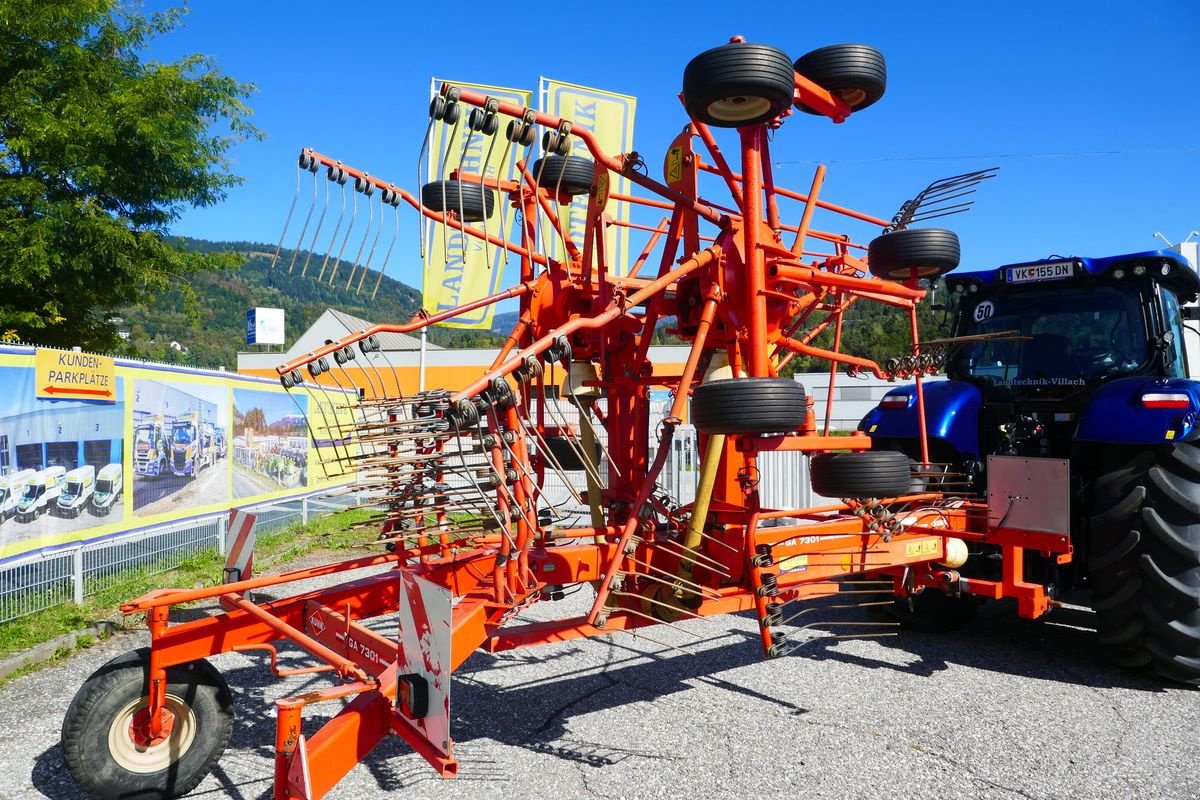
(699, 589)
(664, 605)
(652, 640)
(809, 610)
(692, 556)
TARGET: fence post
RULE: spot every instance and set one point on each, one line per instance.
(222, 521)
(77, 575)
(304, 510)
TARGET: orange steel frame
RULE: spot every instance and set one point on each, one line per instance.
(742, 292)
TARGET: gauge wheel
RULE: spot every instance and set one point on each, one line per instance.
(927, 252)
(571, 175)
(106, 741)
(869, 473)
(749, 405)
(470, 201)
(738, 84)
(854, 73)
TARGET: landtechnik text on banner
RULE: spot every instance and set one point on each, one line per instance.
(609, 117)
(460, 269)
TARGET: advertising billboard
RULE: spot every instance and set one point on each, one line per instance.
(459, 268)
(154, 444)
(264, 326)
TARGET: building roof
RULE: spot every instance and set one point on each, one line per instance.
(334, 324)
(388, 341)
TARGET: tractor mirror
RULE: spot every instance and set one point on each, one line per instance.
(1191, 313)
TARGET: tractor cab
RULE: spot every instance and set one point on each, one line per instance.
(1049, 330)
(1049, 353)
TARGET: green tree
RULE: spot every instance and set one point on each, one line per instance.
(99, 152)
(255, 420)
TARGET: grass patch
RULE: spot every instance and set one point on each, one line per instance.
(196, 570)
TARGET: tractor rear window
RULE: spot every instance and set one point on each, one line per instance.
(1061, 337)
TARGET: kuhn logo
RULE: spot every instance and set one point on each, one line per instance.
(316, 623)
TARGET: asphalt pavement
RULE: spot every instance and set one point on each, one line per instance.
(247, 483)
(1007, 708)
(163, 493)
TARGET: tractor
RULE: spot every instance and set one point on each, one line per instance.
(1073, 369)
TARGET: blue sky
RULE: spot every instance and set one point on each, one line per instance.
(275, 406)
(1089, 108)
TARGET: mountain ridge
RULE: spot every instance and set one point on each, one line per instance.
(210, 329)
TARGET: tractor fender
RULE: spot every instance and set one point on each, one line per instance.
(1142, 410)
(951, 414)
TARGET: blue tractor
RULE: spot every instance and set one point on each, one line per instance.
(1072, 368)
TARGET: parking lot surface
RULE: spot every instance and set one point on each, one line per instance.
(1006, 708)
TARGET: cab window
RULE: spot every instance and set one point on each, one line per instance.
(1173, 321)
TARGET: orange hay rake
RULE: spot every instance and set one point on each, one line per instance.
(458, 475)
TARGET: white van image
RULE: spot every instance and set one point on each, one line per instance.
(108, 488)
(42, 490)
(11, 489)
(73, 499)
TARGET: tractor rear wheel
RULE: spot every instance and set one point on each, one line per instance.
(1144, 562)
(106, 742)
(570, 175)
(472, 202)
(738, 84)
(854, 73)
(929, 252)
(870, 473)
(749, 405)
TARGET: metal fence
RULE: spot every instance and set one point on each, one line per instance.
(783, 475)
(44, 581)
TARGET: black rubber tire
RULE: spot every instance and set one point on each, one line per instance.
(1144, 561)
(749, 405)
(869, 473)
(929, 251)
(854, 73)
(574, 172)
(738, 84)
(477, 203)
(567, 457)
(108, 694)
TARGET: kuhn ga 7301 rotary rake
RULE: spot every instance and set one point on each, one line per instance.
(468, 538)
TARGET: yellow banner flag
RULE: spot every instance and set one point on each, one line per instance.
(459, 268)
(609, 117)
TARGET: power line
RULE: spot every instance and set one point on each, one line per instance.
(1076, 154)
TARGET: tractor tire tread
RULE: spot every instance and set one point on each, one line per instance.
(1145, 561)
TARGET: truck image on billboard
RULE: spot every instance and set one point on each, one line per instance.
(179, 453)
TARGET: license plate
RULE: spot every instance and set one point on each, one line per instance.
(1052, 271)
